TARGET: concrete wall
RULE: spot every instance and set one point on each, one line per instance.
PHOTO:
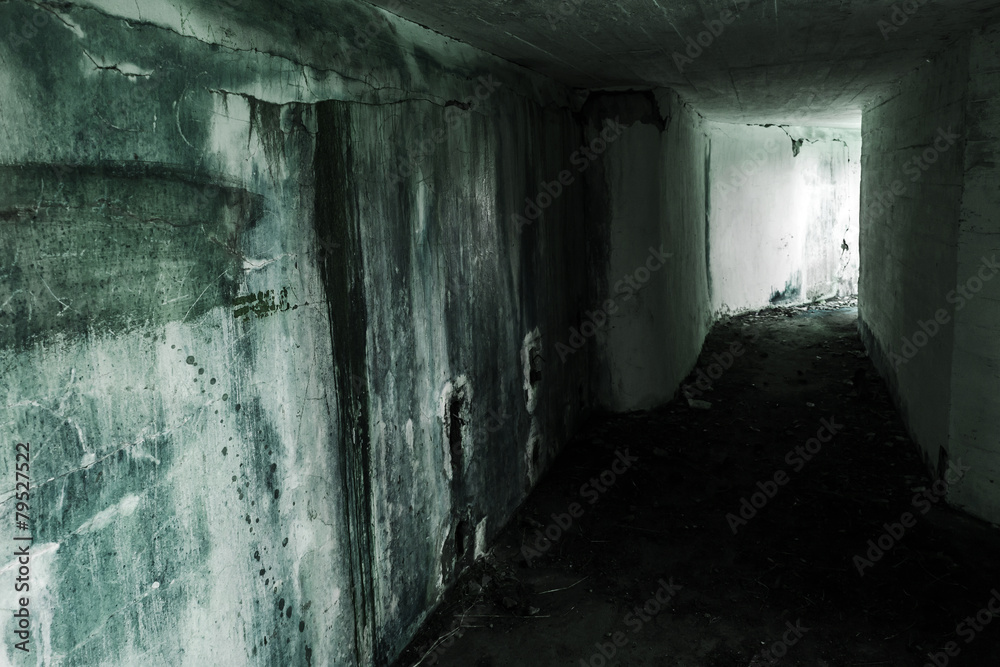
(449, 310)
(975, 404)
(783, 215)
(746, 221)
(909, 233)
(648, 203)
(275, 396)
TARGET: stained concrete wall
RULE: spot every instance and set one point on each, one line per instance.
(454, 308)
(783, 214)
(283, 370)
(975, 404)
(648, 210)
(909, 233)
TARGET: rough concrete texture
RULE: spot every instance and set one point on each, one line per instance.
(783, 215)
(911, 200)
(443, 294)
(796, 62)
(975, 402)
(274, 398)
(295, 304)
(652, 222)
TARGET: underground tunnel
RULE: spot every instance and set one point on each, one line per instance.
(486, 333)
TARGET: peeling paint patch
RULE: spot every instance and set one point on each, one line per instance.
(534, 462)
(70, 24)
(257, 264)
(531, 363)
(123, 508)
(409, 435)
(481, 538)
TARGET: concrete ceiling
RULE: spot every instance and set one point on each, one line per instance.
(799, 62)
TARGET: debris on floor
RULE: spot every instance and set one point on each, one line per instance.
(796, 527)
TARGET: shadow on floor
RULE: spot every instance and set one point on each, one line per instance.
(789, 523)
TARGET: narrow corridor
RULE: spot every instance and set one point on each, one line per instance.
(790, 522)
(353, 333)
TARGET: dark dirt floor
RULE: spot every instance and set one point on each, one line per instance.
(650, 572)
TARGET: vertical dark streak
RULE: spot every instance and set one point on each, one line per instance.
(708, 215)
(342, 270)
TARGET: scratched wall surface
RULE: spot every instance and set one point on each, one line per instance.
(448, 291)
(275, 400)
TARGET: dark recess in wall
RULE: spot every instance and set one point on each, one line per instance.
(456, 409)
(627, 107)
(457, 553)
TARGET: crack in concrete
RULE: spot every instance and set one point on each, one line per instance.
(115, 68)
(305, 67)
(142, 23)
(251, 98)
(47, 7)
